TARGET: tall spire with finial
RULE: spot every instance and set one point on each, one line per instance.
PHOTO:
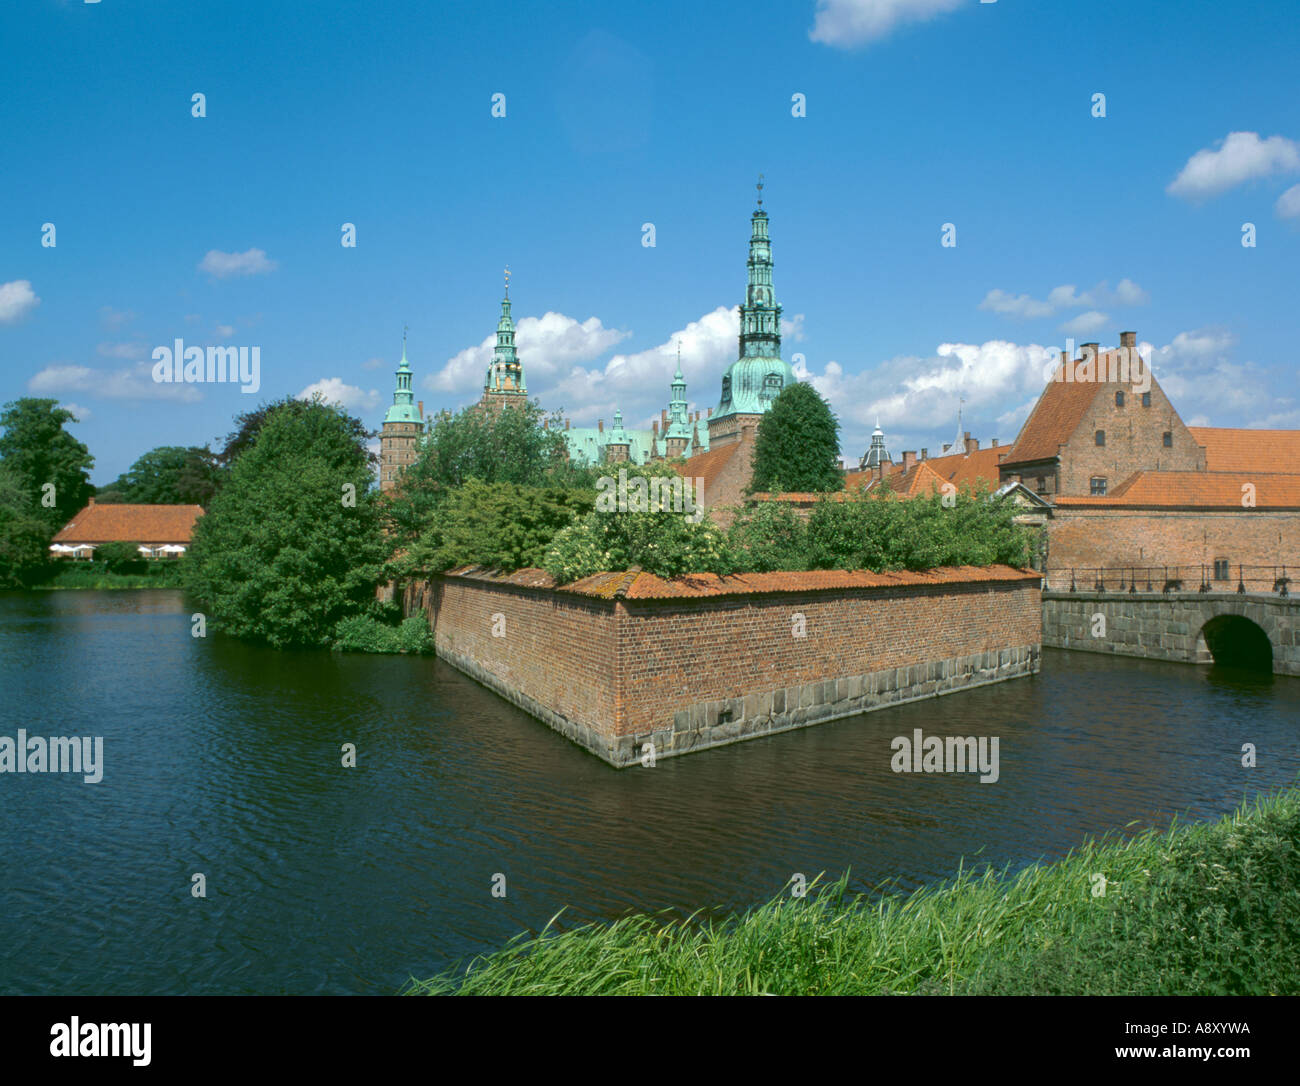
(760, 316)
(505, 372)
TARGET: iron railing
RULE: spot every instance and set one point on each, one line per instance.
(1242, 579)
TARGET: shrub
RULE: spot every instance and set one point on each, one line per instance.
(769, 536)
(666, 544)
(364, 633)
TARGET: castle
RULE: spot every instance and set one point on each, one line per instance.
(749, 386)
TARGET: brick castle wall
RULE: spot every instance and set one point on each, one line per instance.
(685, 674)
(1080, 537)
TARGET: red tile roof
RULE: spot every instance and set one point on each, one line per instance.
(1248, 450)
(1056, 416)
(1199, 490)
(707, 466)
(645, 586)
(109, 523)
(970, 469)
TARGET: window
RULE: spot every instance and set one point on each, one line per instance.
(1101, 437)
(1119, 399)
(1221, 569)
(1098, 486)
(1146, 399)
(1042, 484)
(1169, 440)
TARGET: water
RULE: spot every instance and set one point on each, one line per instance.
(224, 759)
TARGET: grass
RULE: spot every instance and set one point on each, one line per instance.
(163, 573)
(1207, 909)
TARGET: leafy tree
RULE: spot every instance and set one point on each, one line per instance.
(498, 525)
(249, 425)
(36, 450)
(884, 532)
(769, 536)
(666, 544)
(167, 475)
(24, 539)
(292, 543)
(510, 445)
(121, 557)
(797, 446)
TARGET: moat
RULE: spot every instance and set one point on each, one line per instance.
(224, 759)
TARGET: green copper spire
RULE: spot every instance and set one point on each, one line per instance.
(758, 375)
(403, 409)
(678, 420)
(505, 373)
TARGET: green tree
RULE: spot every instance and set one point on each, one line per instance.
(24, 537)
(36, 450)
(498, 525)
(510, 445)
(292, 543)
(769, 536)
(666, 544)
(249, 424)
(121, 557)
(167, 475)
(797, 446)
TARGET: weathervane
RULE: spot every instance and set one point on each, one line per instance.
(760, 190)
(507, 280)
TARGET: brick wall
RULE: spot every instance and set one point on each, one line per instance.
(1134, 441)
(684, 674)
(1080, 537)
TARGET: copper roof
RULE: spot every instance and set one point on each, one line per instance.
(110, 523)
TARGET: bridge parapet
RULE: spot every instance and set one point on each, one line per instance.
(1274, 580)
(1187, 626)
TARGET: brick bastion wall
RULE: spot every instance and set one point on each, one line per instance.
(617, 661)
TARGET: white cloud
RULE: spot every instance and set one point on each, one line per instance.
(221, 265)
(133, 383)
(1199, 374)
(374, 364)
(122, 350)
(225, 331)
(82, 413)
(846, 23)
(547, 346)
(1086, 323)
(1241, 156)
(17, 299)
(1288, 204)
(335, 390)
(114, 318)
(1026, 307)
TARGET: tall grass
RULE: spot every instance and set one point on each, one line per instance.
(1203, 909)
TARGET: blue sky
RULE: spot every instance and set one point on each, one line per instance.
(226, 229)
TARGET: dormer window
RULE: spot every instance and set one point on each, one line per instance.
(726, 388)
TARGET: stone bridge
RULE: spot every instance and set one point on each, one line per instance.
(1256, 630)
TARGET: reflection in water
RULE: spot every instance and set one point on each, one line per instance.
(225, 759)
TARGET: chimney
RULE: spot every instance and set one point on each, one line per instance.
(972, 443)
(877, 472)
(663, 417)
(909, 458)
(1084, 352)
(710, 415)
(1128, 339)
(1065, 357)
(566, 424)
(600, 426)
(92, 501)
(993, 444)
(420, 405)
(655, 426)
(925, 453)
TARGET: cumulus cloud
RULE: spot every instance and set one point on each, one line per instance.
(336, 390)
(133, 350)
(221, 265)
(1288, 204)
(1240, 157)
(113, 319)
(374, 364)
(548, 345)
(1086, 323)
(848, 23)
(1198, 371)
(1026, 307)
(132, 383)
(17, 299)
